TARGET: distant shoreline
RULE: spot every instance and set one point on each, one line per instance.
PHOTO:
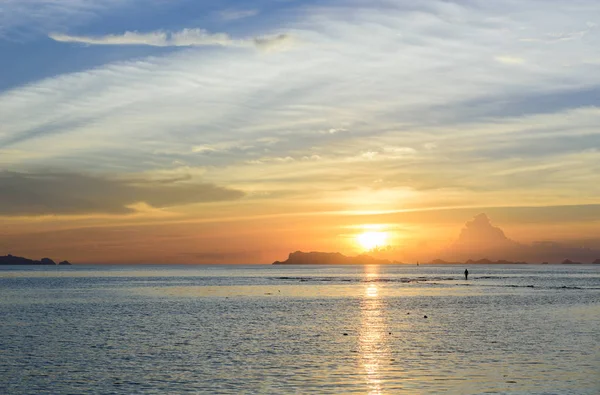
(10, 260)
(336, 258)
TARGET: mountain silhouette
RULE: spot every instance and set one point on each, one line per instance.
(480, 239)
(480, 232)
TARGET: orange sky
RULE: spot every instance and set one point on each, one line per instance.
(177, 238)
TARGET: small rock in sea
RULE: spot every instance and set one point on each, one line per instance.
(424, 316)
(345, 334)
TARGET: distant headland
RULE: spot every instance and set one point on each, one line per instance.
(17, 260)
(336, 258)
(330, 258)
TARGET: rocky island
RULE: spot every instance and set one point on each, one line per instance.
(17, 260)
(330, 258)
(570, 262)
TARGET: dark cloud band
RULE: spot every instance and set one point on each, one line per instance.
(45, 193)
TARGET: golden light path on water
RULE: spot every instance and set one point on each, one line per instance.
(373, 335)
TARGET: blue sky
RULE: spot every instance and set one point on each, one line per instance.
(26, 25)
(289, 106)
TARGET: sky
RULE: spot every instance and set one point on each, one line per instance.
(188, 131)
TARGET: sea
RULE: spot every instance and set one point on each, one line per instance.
(405, 329)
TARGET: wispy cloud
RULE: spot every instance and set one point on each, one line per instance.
(373, 87)
(182, 38)
(233, 15)
(509, 59)
(19, 18)
(557, 37)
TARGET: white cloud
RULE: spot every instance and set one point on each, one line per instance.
(182, 38)
(509, 59)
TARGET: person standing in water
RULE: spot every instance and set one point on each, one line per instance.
(466, 274)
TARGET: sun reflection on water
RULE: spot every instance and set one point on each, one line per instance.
(373, 336)
(372, 291)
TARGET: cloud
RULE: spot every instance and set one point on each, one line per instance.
(480, 233)
(203, 149)
(182, 38)
(557, 37)
(402, 76)
(280, 42)
(479, 239)
(233, 15)
(24, 20)
(47, 193)
(509, 59)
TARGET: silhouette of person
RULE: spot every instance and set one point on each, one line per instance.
(466, 274)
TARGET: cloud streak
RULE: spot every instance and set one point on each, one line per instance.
(22, 19)
(47, 193)
(182, 38)
(234, 15)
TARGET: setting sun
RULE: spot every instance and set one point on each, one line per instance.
(370, 240)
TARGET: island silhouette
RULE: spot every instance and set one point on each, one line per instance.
(330, 258)
(478, 243)
(336, 258)
(17, 260)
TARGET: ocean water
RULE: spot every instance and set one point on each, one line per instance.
(300, 329)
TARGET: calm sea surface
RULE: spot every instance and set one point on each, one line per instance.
(291, 329)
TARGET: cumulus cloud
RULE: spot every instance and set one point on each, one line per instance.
(45, 193)
(480, 233)
(182, 38)
(479, 239)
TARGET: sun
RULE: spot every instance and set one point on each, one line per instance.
(371, 240)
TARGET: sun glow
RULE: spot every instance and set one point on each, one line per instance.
(370, 240)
